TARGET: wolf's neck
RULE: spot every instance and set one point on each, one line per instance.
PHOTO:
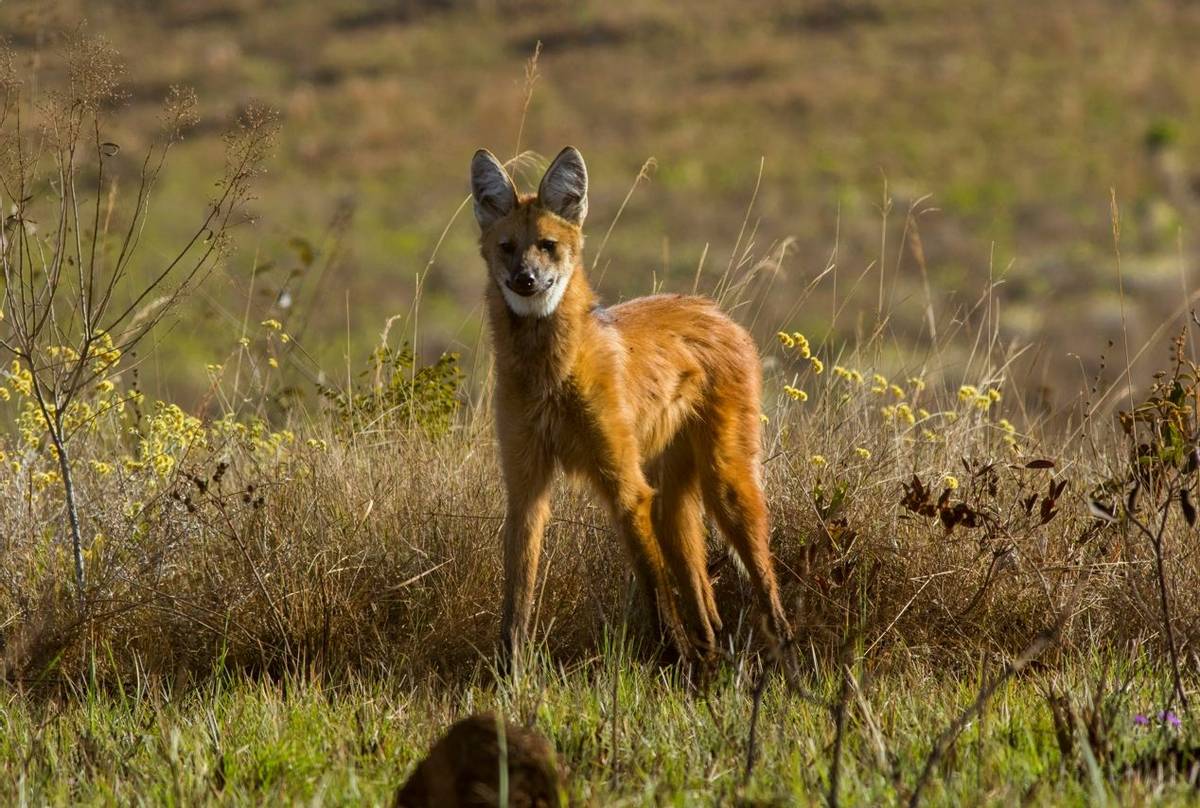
(541, 350)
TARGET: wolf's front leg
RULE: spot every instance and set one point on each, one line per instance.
(524, 524)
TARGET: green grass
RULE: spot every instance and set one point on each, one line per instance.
(238, 741)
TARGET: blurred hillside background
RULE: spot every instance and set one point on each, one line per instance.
(994, 131)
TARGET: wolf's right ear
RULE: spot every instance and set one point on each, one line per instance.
(493, 191)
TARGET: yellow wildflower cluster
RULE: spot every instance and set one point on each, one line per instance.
(899, 412)
(170, 434)
(980, 399)
(950, 481)
(20, 379)
(799, 343)
(255, 435)
(107, 354)
(865, 454)
(848, 374)
(1010, 433)
(818, 460)
(795, 393)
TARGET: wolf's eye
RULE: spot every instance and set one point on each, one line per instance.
(547, 245)
(507, 246)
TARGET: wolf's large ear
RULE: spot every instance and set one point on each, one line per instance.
(564, 188)
(491, 188)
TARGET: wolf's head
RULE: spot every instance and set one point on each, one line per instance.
(531, 244)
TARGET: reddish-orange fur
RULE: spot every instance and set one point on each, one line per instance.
(654, 401)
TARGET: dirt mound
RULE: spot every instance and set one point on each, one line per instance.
(462, 770)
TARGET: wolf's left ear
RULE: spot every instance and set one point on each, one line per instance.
(565, 185)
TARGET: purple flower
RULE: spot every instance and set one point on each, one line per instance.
(1141, 720)
(1169, 717)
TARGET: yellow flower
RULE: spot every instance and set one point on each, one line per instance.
(272, 324)
(818, 460)
(272, 362)
(163, 464)
(993, 394)
(897, 391)
(983, 402)
(801, 345)
(244, 342)
(856, 377)
(841, 372)
(818, 367)
(284, 338)
(929, 435)
(888, 413)
(213, 367)
(916, 383)
(923, 413)
(968, 392)
(762, 416)
(20, 379)
(786, 340)
(863, 453)
(106, 386)
(101, 468)
(905, 414)
(950, 482)
(4, 394)
(879, 380)
(795, 393)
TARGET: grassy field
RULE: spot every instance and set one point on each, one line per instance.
(627, 733)
(249, 509)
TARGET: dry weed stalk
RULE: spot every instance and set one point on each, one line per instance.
(74, 299)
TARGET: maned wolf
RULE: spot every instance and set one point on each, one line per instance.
(662, 388)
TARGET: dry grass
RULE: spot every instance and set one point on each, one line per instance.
(377, 549)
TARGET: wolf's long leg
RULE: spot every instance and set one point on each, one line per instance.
(528, 485)
(679, 527)
(734, 497)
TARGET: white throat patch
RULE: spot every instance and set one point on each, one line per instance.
(542, 304)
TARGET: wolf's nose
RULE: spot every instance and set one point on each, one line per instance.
(523, 281)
